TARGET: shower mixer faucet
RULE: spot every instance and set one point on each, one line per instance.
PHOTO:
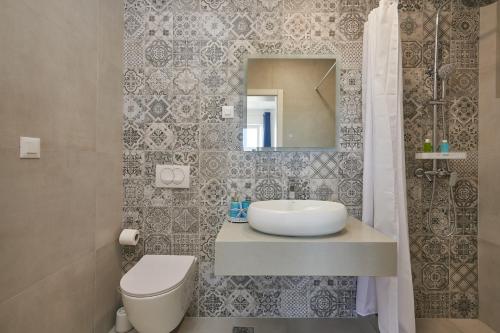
(440, 173)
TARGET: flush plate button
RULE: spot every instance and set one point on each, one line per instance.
(166, 176)
(172, 176)
(178, 176)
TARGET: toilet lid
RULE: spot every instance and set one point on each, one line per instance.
(155, 274)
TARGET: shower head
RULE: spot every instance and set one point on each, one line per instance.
(445, 71)
(477, 3)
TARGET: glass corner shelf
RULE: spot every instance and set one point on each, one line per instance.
(441, 156)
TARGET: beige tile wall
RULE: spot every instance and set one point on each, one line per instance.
(489, 166)
(60, 80)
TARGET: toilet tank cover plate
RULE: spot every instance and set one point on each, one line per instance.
(155, 275)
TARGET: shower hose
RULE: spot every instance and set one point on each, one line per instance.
(452, 209)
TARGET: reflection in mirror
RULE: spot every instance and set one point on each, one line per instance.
(262, 124)
(291, 103)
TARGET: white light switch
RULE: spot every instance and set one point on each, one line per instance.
(172, 176)
(228, 111)
(29, 147)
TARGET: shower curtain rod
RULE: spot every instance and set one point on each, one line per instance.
(324, 77)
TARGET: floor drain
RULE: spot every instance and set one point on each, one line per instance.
(238, 329)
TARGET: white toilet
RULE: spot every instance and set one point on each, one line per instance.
(157, 291)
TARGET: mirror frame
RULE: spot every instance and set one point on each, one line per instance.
(338, 70)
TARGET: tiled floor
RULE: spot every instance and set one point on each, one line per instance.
(278, 325)
(360, 325)
(452, 326)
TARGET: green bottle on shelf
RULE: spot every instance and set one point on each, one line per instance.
(428, 146)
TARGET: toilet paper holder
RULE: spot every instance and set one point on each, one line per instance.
(129, 237)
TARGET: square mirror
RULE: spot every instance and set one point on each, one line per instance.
(291, 103)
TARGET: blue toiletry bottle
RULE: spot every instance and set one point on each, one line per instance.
(246, 203)
(444, 147)
(234, 208)
(244, 207)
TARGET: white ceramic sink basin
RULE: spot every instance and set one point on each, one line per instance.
(297, 217)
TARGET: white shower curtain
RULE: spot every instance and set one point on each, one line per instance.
(384, 180)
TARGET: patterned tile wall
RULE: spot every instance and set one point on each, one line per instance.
(184, 59)
(444, 268)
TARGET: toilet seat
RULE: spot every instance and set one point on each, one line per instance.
(154, 275)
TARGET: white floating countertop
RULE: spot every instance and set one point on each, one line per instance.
(441, 156)
(358, 250)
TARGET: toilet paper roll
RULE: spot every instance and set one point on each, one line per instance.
(129, 237)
